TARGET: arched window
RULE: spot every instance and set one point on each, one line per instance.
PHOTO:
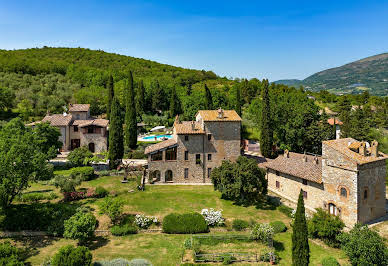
(168, 176)
(91, 147)
(155, 175)
(343, 192)
(365, 193)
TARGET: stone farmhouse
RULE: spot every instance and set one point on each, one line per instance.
(196, 147)
(348, 180)
(78, 128)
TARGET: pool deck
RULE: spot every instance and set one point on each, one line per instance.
(151, 138)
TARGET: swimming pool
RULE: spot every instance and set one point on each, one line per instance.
(158, 137)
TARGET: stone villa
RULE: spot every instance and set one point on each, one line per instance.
(196, 147)
(348, 180)
(78, 128)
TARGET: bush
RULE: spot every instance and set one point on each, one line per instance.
(144, 222)
(227, 259)
(74, 195)
(278, 226)
(266, 257)
(123, 230)
(329, 261)
(10, 255)
(101, 192)
(240, 225)
(72, 256)
(286, 210)
(213, 217)
(139, 262)
(364, 246)
(36, 197)
(113, 208)
(262, 232)
(187, 223)
(326, 227)
(85, 173)
(66, 183)
(80, 226)
(79, 156)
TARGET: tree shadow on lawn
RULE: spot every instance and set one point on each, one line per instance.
(32, 244)
(279, 246)
(97, 242)
(38, 191)
(270, 203)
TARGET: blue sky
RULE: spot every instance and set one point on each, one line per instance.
(263, 39)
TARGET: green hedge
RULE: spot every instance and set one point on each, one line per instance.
(278, 226)
(329, 261)
(240, 225)
(36, 196)
(85, 173)
(123, 230)
(187, 223)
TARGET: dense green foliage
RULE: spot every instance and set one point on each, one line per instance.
(111, 93)
(187, 223)
(330, 261)
(262, 232)
(72, 256)
(80, 226)
(325, 226)
(130, 114)
(79, 156)
(47, 139)
(266, 134)
(10, 255)
(239, 224)
(123, 230)
(278, 226)
(116, 140)
(22, 160)
(85, 173)
(364, 246)
(300, 244)
(67, 183)
(113, 208)
(243, 181)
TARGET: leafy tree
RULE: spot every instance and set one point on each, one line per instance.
(10, 255)
(174, 103)
(238, 100)
(300, 244)
(140, 99)
(67, 183)
(266, 135)
(21, 160)
(189, 89)
(116, 146)
(130, 115)
(344, 108)
(113, 208)
(364, 246)
(47, 139)
(72, 256)
(110, 87)
(6, 99)
(157, 97)
(243, 181)
(208, 99)
(79, 156)
(80, 226)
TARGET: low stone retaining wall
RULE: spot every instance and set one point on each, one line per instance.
(7, 234)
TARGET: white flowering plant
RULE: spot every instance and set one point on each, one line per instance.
(144, 222)
(213, 217)
(262, 232)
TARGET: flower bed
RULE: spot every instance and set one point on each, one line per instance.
(144, 222)
(213, 217)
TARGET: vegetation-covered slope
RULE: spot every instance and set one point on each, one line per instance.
(368, 73)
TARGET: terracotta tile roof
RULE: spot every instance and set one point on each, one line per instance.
(212, 115)
(295, 165)
(58, 119)
(345, 147)
(95, 122)
(331, 121)
(186, 127)
(79, 107)
(160, 145)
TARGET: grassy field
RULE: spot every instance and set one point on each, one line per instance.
(159, 248)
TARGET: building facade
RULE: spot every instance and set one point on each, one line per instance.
(78, 128)
(196, 147)
(348, 180)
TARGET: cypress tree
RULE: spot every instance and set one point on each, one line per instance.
(157, 97)
(208, 99)
(116, 146)
(109, 86)
(300, 244)
(130, 115)
(174, 103)
(238, 100)
(266, 136)
(140, 98)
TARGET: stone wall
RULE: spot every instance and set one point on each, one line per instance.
(100, 140)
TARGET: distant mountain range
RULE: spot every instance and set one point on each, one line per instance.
(370, 73)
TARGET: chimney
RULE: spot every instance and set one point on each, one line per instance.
(316, 159)
(220, 113)
(193, 125)
(362, 149)
(304, 157)
(374, 150)
(286, 154)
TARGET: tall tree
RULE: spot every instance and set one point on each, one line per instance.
(140, 98)
(157, 97)
(208, 99)
(238, 99)
(300, 244)
(189, 89)
(175, 107)
(266, 136)
(344, 108)
(116, 145)
(130, 115)
(110, 87)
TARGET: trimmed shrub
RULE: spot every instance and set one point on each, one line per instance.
(10, 255)
(101, 192)
(79, 156)
(262, 232)
(122, 230)
(240, 225)
(286, 210)
(80, 226)
(326, 227)
(329, 261)
(85, 173)
(187, 223)
(278, 226)
(72, 256)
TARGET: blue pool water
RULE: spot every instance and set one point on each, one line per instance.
(159, 137)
